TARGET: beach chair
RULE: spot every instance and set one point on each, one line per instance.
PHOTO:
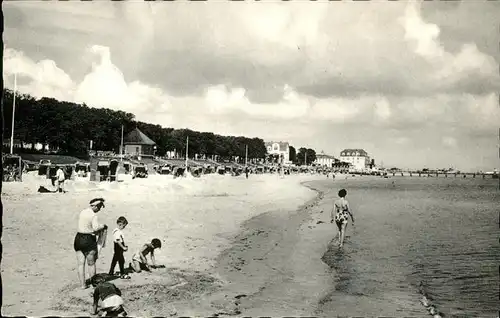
(113, 169)
(140, 172)
(103, 169)
(166, 169)
(221, 170)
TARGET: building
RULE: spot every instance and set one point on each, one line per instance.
(279, 148)
(358, 158)
(324, 160)
(137, 143)
(341, 165)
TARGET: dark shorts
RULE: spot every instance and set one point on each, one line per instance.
(85, 243)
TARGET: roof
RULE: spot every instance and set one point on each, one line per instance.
(354, 152)
(137, 137)
(282, 144)
(324, 156)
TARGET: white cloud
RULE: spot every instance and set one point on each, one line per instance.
(383, 109)
(449, 142)
(401, 140)
(334, 69)
(46, 78)
(446, 69)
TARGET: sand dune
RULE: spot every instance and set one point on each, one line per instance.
(195, 218)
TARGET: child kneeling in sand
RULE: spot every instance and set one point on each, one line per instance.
(110, 296)
(139, 260)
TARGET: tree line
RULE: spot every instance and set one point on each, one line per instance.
(69, 127)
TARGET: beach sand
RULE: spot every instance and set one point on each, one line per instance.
(228, 245)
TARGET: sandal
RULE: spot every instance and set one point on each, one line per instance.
(125, 277)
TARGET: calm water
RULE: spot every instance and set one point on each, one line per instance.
(442, 232)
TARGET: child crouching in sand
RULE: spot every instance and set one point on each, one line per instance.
(110, 296)
(139, 260)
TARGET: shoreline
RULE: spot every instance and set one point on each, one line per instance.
(275, 251)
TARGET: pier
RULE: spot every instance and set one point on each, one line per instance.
(440, 174)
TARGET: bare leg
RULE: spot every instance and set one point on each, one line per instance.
(340, 231)
(344, 225)
(80, 258)
(136, 266)
(91, 258)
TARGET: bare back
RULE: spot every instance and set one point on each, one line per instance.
(341, 205)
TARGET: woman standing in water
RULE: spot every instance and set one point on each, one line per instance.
(340, 214)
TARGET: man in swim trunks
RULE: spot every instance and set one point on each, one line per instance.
(340, 214)
(85, 243)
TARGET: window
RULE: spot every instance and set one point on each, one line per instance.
(137, 149)
(276, 147)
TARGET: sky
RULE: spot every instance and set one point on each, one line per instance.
(415, 84)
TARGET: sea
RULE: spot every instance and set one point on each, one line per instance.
(413, 236)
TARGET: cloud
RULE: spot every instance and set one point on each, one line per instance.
(106, 86)
(331, 75)
(45, 78)
(401, 140)
(325, 50)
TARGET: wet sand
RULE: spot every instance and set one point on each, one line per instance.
(274, 267)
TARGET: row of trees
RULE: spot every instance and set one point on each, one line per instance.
(70, 127)
(301, 157)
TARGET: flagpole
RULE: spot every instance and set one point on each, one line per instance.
(13, 115)
(121, 150)
(246, 155)
(187, 147)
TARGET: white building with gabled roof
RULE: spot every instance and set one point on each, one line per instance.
(280, 148)
(323, 159)
(358, 158)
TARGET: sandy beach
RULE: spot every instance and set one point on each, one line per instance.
(261, 246)
(210, 243)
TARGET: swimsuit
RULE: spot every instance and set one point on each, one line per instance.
(146, 251)
(341, 214)
(85, 242)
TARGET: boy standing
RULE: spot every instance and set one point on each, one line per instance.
(119, 248)
(60, 177)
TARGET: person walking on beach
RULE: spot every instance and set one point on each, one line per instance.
(340, 214)
(60, 177)
(119, 248)
(85, 243)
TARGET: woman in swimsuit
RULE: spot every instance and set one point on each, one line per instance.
(340, 214)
